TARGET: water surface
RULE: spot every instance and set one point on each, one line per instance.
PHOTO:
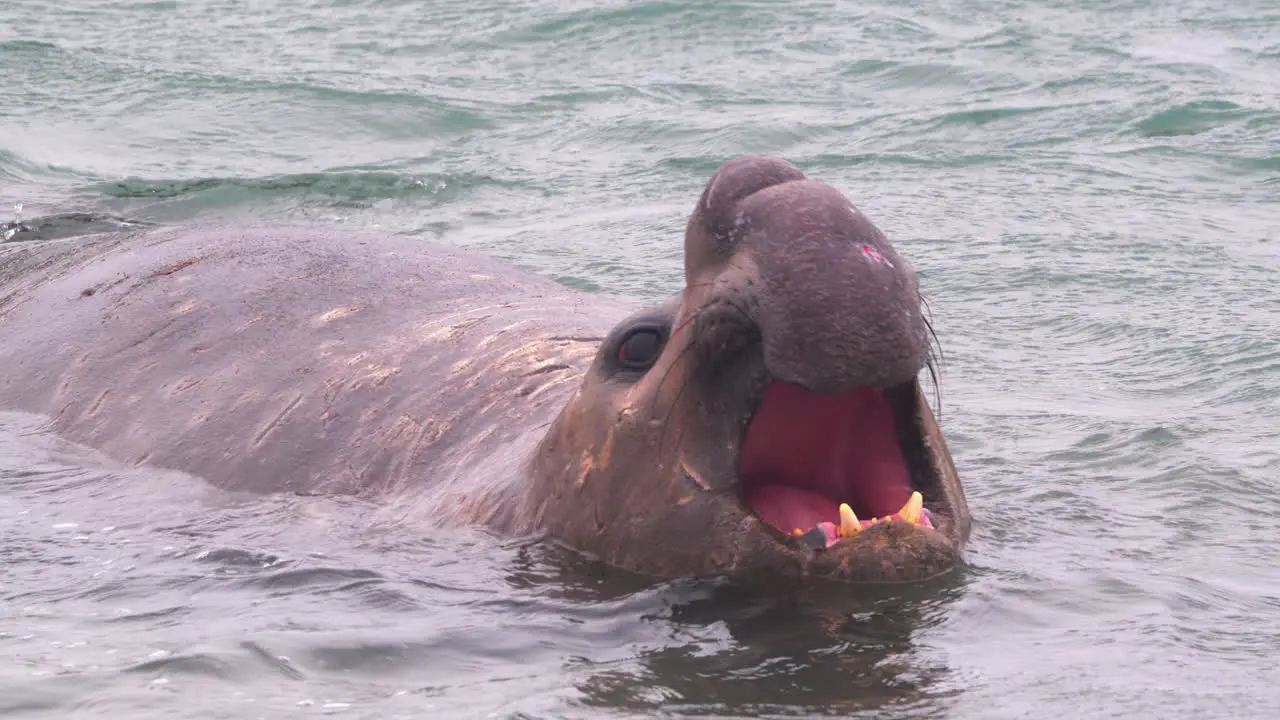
(1090, 190)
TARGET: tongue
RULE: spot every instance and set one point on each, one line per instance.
(788, 508)
(805, 453)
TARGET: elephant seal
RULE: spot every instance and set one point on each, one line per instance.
(767, 418)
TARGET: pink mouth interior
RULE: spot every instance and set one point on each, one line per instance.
(805, 453)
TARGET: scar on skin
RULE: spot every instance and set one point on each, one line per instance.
(97, 404)
(175, 267)
(336, 313)
(274, 423)
(693, 474)
(598, 462)
(586, 467)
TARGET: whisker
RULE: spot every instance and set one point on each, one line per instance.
(675, 404)
(928, 321)
(699, 359)
(657, 391)
(694, 371)
(934, 358)
(676, 330)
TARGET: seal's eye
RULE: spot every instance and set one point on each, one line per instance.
(639, 350)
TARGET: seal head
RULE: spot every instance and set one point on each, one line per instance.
(769, 417)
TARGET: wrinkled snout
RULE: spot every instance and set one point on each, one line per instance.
(836, 306)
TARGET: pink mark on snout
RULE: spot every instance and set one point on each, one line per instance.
(874, 255)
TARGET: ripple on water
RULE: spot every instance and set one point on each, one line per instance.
(1088, 190)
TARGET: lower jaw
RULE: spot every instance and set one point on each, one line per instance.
(887, 553)
(845, 524)
(825, 534)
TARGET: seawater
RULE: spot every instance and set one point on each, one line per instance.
(1090, 190)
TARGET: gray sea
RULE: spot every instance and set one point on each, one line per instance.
(1090, 190)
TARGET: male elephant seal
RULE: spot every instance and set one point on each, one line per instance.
(718, 432)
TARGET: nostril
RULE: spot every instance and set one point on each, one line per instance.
(720, 208)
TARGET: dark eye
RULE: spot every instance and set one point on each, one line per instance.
(640, 349)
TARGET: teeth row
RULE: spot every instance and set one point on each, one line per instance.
(912, 512)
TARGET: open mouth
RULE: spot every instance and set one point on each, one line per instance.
(826, 467)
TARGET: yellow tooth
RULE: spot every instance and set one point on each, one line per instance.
(914, 508)
(849, 524)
